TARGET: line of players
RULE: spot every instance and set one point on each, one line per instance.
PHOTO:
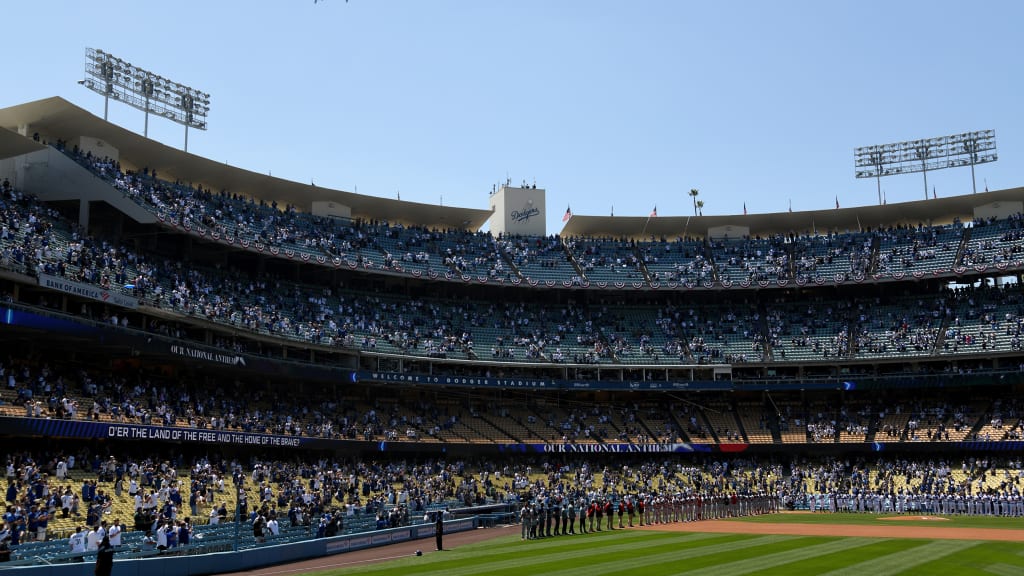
(1002, 504)
(549, 516)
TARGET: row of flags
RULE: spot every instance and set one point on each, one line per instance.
(654, 213)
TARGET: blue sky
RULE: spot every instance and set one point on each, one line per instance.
(618, 106)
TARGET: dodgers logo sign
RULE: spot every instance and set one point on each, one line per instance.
(528, 211)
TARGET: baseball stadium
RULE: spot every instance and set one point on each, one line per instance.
(208, 369)
(293, 373)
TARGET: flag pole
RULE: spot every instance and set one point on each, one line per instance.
(648, 221)
(644, 229)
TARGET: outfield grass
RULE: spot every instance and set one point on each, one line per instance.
(891, 519)
(649, 553)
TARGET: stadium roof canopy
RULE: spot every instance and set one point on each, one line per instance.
(935, 211)
(57, 118)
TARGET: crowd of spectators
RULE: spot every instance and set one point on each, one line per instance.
(606, 259)
(173, 497)
(752, 259)
(53, 390)
(682, 260)
(166, 498)
(908, 249)
(36, 239)
(400, 248)
(528, 254)
(976, 486)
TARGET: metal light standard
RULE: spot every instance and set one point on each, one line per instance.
(112, 77)
(968, 148)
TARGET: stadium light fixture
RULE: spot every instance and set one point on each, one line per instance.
(968, 148)
(143, 90)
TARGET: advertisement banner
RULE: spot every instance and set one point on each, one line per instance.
(608, 448)
(88, 291)
(143, 433)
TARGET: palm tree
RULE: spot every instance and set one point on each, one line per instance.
(693, 194)
(700, 207)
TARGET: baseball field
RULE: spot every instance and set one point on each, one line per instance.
(783, 544)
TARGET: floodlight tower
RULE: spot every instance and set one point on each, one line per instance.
(924, 155)
(114, 78)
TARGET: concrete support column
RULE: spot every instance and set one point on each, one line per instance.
(83, 214)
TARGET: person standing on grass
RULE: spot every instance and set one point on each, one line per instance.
(566, 522)
(439, 529)
(570, 512)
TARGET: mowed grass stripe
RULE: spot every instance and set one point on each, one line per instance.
(984, 558)
(901, 562)
(579, 542)
(571, 549)
(586, 547)
(828, 562)
(634, 562)
(587, 553)
(697, 556)
(1003, 570)
(756, 561)
(709, 556)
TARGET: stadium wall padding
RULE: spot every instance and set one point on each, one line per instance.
(221, 562)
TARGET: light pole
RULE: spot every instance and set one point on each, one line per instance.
(922, 151)
(924, 155)
(147, 91)
(143, 90)
(972, 146)
(876, 161)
